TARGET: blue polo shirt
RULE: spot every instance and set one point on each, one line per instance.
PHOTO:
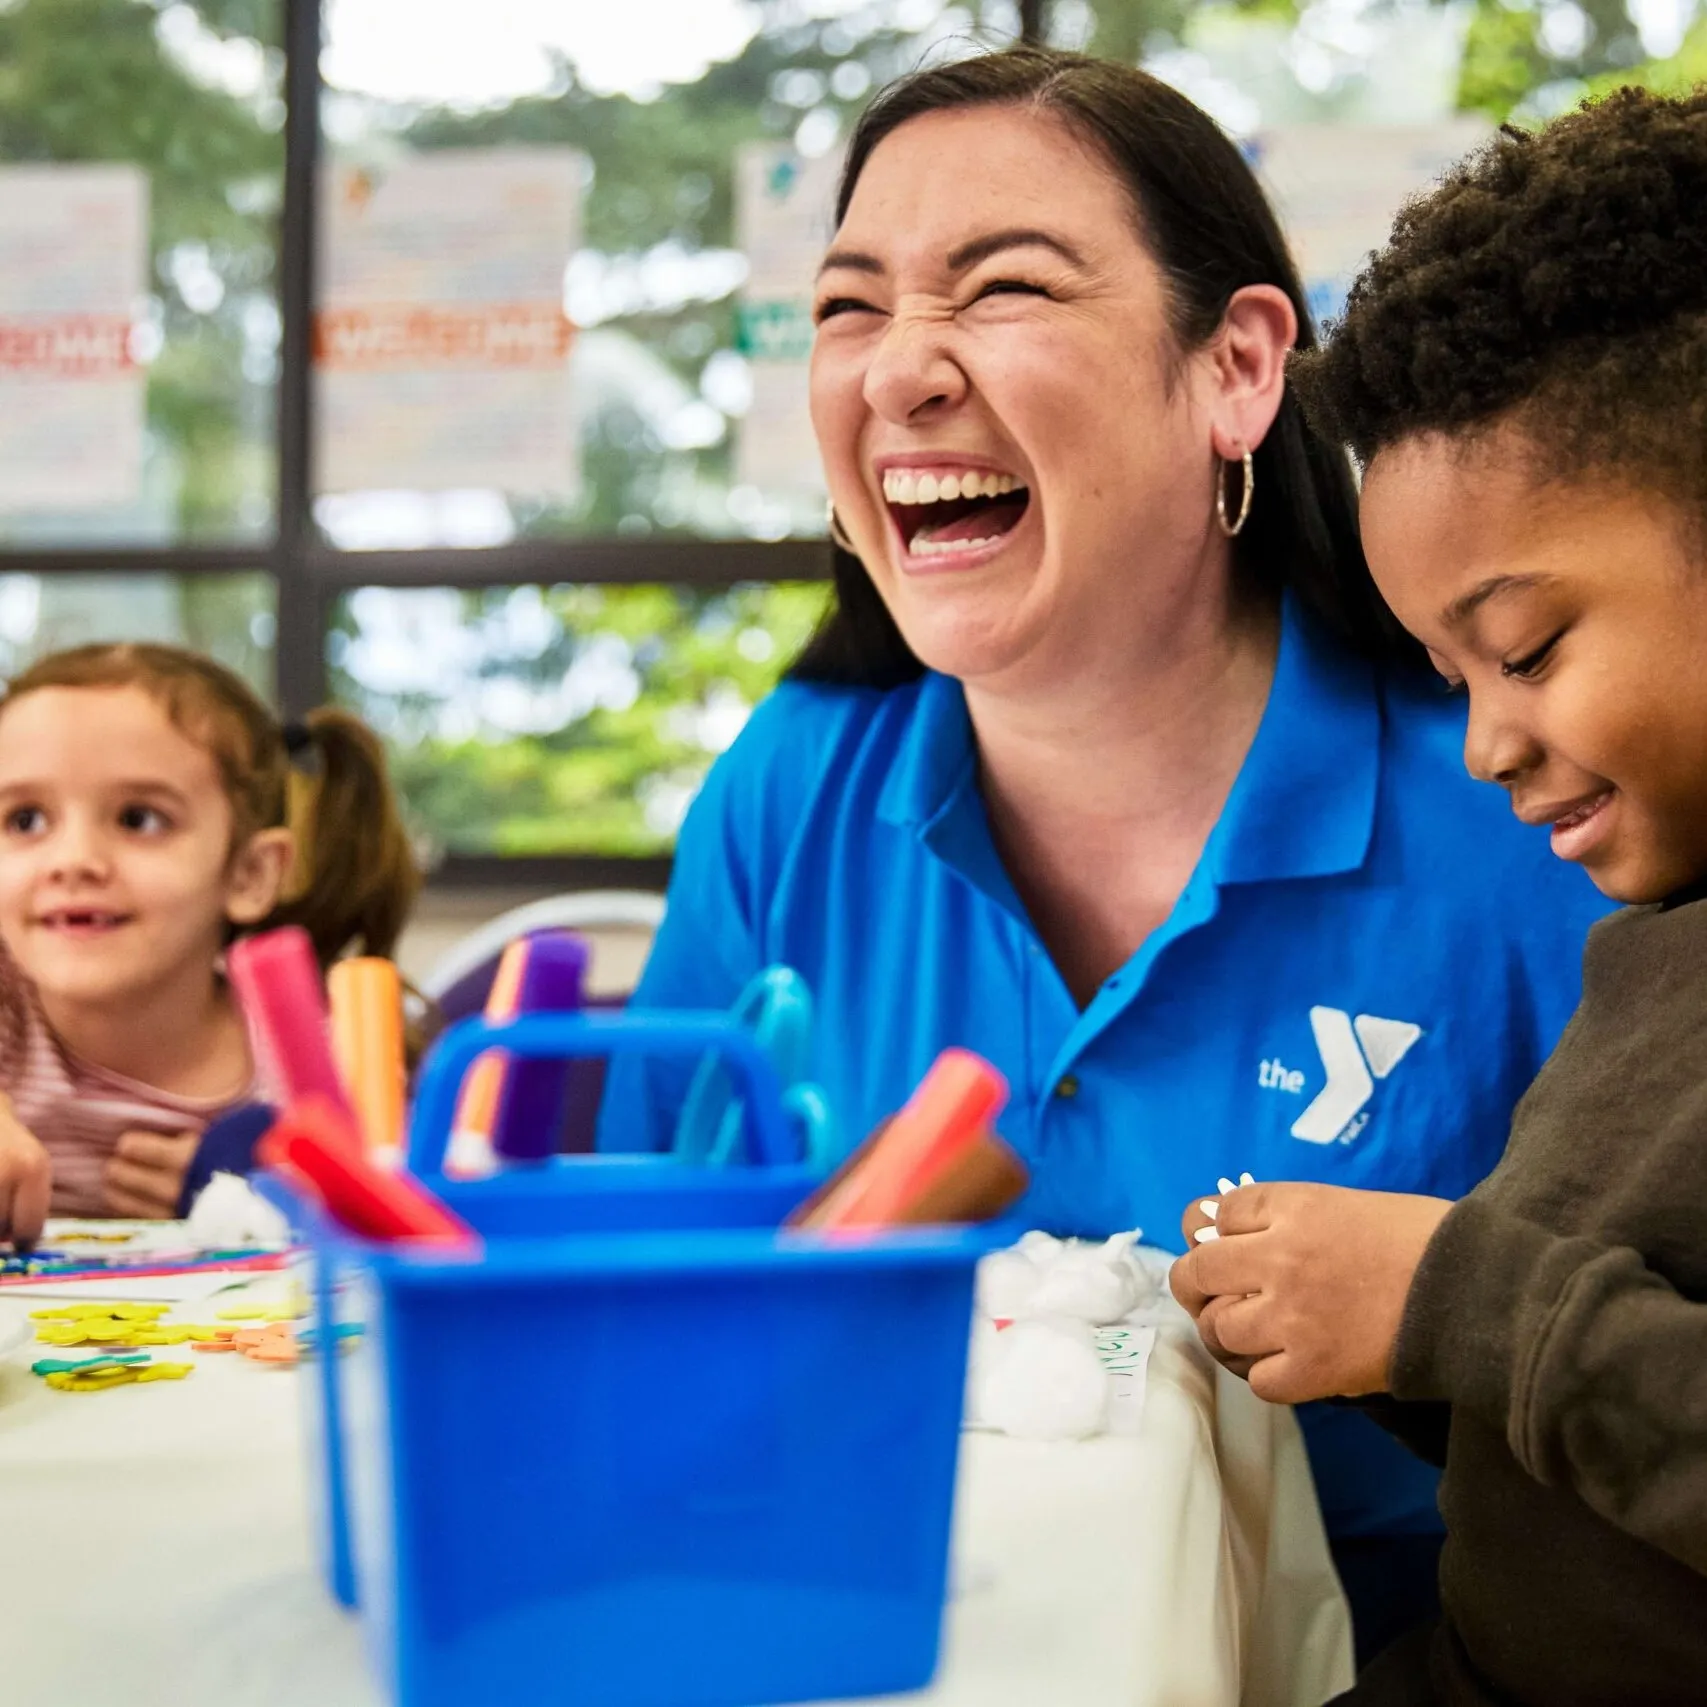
(1369, 964)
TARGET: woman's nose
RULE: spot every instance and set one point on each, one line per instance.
(912, 372)
(1497, 746)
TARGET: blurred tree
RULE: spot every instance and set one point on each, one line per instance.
(1533, 62)
(637, 690)
(1529, 57)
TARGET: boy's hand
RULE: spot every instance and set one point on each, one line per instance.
(26, 1179)
(1303, 1289)
(145, 1176)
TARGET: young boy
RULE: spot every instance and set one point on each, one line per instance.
(1523, 375)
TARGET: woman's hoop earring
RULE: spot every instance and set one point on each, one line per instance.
(1233, 528)
(837, 532)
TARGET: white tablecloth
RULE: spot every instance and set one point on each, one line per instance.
(154, 1552)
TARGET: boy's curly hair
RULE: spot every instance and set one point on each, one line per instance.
(1555, 282)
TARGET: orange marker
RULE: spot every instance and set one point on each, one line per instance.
(936, 1161)
(471, 1153)
(367, 1042)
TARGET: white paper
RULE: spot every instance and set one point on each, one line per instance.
(73, 277)
(144, 1289)
(441, 344)
(1337, 189)
(784, 219)
(1125, 1352)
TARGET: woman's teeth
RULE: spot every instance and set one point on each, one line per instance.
(900, 487)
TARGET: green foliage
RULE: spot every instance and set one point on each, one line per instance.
(1502, 56)
(1129, 30)
(1682, 73)
(663, 676)
(1509, 72)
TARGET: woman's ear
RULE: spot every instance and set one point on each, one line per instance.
(1248, 363)
(255, 880)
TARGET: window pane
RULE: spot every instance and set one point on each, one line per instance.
(230, 616)
(141, 164)
(672, 401)
(561, 720)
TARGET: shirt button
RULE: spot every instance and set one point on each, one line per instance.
(1067, 1086)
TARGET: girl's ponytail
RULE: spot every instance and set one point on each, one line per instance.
(355, 878)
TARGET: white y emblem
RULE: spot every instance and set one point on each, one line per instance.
(1355, 1053)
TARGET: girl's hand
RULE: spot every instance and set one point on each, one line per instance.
(145, 1176)
(1304, 1286)
(26, 1180)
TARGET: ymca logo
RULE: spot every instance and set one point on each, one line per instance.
(1355, 1053)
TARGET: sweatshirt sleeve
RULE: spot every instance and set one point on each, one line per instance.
(1591, 1363)
(1422, 1426)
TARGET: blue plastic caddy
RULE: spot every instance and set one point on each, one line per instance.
(644, 1450)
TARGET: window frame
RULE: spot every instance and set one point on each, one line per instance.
(309, 574)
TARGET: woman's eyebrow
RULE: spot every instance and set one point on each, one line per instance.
(967, 255)
(853, 260)
(1020, 237)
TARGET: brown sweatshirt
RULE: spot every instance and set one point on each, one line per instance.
(1561, 1311)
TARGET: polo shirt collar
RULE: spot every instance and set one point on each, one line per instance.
(1303, 804)
(935, 758)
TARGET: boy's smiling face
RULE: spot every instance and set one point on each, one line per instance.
(1575, 614)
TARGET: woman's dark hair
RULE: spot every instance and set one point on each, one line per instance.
(1204, 218)
(1554, 281)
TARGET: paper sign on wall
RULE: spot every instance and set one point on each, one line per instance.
(784, 210)
(73, 274)
(1337, 189)
(441, 346)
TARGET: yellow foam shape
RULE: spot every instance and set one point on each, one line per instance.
(260, 1313)
(104, 1331)
(115, 1312)
(98, 1380)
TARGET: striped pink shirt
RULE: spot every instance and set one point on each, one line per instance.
(80, 1111)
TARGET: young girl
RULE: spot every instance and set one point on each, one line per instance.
(1523, 373)
(151, 811)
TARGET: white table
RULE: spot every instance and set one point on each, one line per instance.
(154, 1552)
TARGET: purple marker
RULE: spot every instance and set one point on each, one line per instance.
(529, 1124)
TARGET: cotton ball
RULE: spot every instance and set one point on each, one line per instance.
(980, 1355)
(1006, 1282)
(229, 1213)
(1100, 1284)
(1037, 1245)
(1044, 1381)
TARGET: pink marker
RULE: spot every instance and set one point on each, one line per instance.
(277, 980)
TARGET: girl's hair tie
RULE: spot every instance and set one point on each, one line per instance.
(298, 740)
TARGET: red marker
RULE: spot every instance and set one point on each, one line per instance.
(318, 1144)
(277, 980)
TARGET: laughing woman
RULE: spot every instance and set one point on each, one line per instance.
(1108, 764)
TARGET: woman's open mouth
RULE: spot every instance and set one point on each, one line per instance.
(953, 516)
